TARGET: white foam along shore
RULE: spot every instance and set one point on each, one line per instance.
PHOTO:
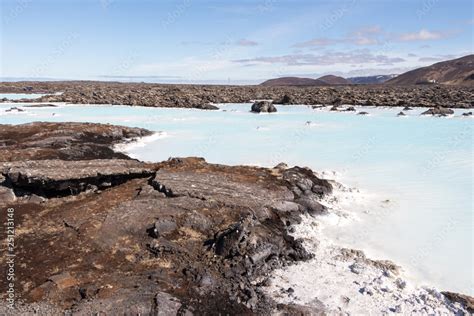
(340, 280)
(133, 143)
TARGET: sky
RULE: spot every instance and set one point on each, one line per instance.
(238, 41)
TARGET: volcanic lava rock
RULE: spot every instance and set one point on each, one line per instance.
(59, 178)
(162, 227)
(438, 111)
(228, 241)
(195, 96)
(207, 106)
(6, 194)
(41, 105)
(467, 114)
(286, 99)
(71, 141)
(363, 113)
(311, 206)
(463, 299)
(263, 106)
(14, 109)
(206, 186)
(401, 114)
(303, 182)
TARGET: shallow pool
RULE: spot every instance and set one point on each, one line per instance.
(18, 96)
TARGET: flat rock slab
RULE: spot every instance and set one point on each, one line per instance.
(218, 187)
(52, 177)
(66, 141)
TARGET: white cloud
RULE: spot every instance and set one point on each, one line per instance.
(437, 58)
(375, 35)
(376, 71)
(429, 59)
(329, 58)
(246, 42)
(422, 35)
(363, 36)
(317, 42)
(362, 40)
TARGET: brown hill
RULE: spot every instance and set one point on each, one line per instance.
(458, 71)
(334, 80)
(293, 81)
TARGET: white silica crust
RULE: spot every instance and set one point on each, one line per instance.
(344, 281)
(133, 144)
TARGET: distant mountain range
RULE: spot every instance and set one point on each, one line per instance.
(294, 81)
(458, 71)
(334, 80)
(452, 72)
(328, 80)
(371, 79)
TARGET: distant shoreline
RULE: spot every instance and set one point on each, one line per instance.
(201, 96)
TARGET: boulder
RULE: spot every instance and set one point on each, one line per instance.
(14, 109)
(401, 114)
(228, 242)
(263, 106)
(207, 106)
(303, 182)
(162, 227)
(310, 205)
(438, 111)
(467, 114)
(286, 99)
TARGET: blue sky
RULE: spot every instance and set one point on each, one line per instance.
(228, 41)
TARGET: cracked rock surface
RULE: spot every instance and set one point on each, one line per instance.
(60, 178)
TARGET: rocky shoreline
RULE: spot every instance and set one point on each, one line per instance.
(97, 231)
(355, 284)
(204, 96)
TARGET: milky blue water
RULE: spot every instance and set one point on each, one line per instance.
(422, 165)
(17, 96)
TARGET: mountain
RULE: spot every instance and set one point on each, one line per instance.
(334, 80)
(458, 71)
(370, 79)
(293, 81)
